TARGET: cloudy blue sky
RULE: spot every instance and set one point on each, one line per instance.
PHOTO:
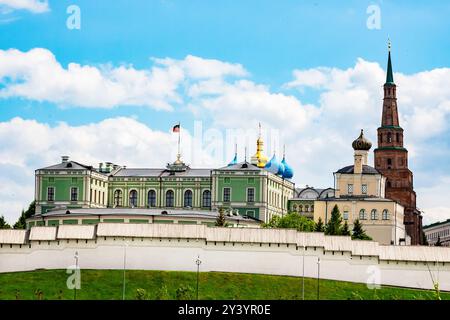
(310, 71)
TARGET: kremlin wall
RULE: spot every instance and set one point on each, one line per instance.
(263, 251)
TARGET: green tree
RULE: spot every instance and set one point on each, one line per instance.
(345, 231)
(319, 226)
(358, 232)
(21, 223)
(221, 221)
(334, 227)
(292, 221)
(3, 223)
(424, 239)
(438, 242)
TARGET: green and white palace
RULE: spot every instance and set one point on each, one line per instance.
(250, 192)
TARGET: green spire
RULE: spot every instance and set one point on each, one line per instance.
(389, 75)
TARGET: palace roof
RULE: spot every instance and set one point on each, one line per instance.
(149, 172)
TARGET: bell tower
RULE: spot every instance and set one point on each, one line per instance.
(391, 159)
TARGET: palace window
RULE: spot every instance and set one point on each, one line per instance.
(152, 198)
(188, 199)
(374, 214)
(389, 162)
(226, 194)
(73, 194)
(118, 198)
(385, 214)
(350, 188)
(345, 215)
(133, 198)
(251, 195)
(364, 189)
(206, 203)
(169, 198)
(50, 194)
(362, 214)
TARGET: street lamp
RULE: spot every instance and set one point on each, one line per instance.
(303, 277)
(318, 278)
(76, 270)
(124, 268)
(198, 262)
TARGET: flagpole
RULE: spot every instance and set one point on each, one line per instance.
(179, 138)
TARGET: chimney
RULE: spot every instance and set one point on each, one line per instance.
(100, 166)
(65, 159)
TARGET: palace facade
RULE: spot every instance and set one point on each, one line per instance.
(257, 190)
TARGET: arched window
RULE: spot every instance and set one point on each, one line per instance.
(362, 214)
(389, 137)
(385, 214)
(300, 208)
(152, 198)
(133, 198)
(169, 198)
(188, 199)
(397, 136)
(118, 198)
(206, 199)
(312, 208)
(294, 207)
(374, 214)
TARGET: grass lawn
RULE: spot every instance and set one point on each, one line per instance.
(107, 284)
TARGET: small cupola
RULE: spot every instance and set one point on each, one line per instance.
(361, 143)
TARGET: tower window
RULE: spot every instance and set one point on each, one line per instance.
(389, 137)
(389, 161)
(397, 136)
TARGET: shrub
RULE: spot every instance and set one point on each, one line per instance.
(141, 294)
(185, 293)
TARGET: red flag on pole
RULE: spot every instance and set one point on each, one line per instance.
(176, 128)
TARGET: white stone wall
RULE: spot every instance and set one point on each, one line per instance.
(180, 254)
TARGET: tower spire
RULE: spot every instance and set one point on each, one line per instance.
(389, 74)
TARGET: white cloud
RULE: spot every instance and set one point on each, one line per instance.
(34, 6)
(37, 75)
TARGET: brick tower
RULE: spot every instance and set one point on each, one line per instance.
(391, 159)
